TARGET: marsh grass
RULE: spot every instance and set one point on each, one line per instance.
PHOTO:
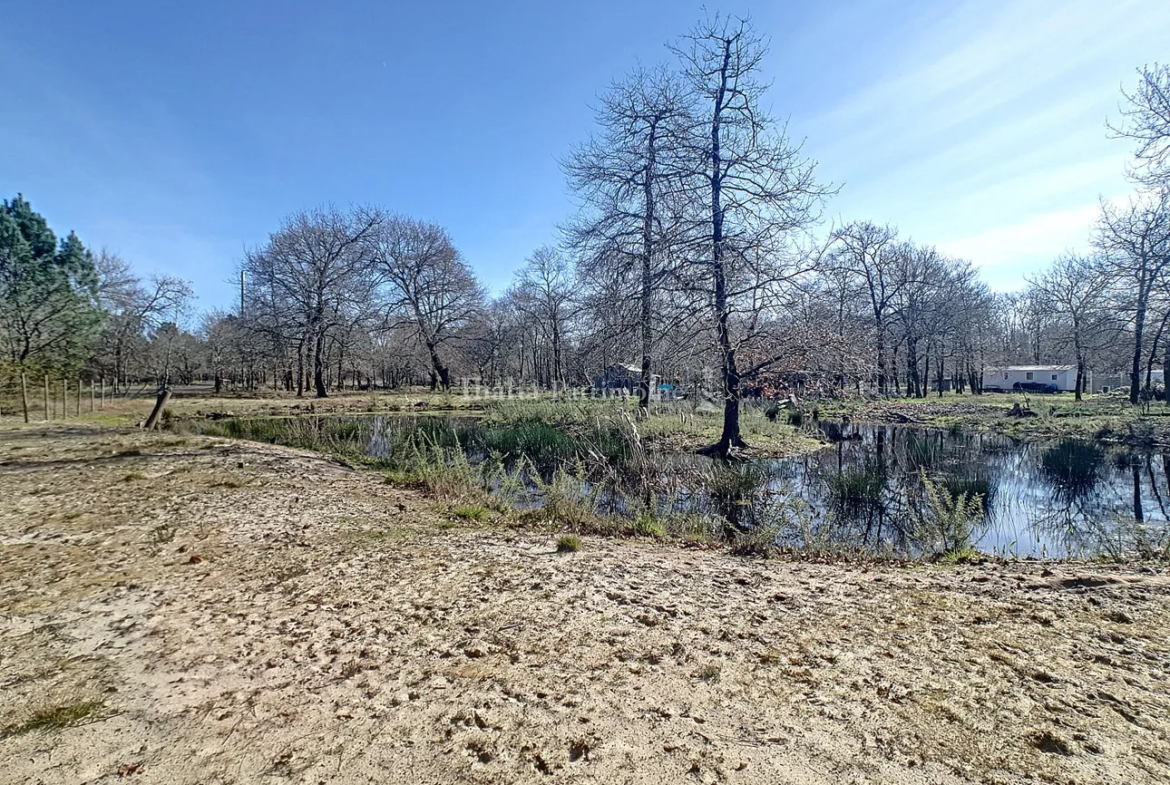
(568, 498)
(972, 486)
(1074, 467)
(858, 487)
(1123, 538)
(921, 451)
(732, 485)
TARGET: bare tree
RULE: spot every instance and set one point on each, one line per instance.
(544, 291)
(917, 304)
(1077, 290)
(628, 177)
(1135, 242)
(1146, 120)
(312, 272)
(426, 286)
(863, 250)
(755, 184)
(134, 308)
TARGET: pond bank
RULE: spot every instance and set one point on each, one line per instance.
(1100, 417)
(239, 611)
(901, 491)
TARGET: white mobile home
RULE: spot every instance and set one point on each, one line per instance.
(1031, 377)
(1119, 380)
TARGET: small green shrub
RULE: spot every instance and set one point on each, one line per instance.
(943, 523)
(568, 543)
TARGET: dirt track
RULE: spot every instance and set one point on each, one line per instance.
(233, 612)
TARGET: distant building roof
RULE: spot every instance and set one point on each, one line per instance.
(1033, 368)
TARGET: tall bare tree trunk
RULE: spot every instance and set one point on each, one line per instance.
(440, 374)
(1166, 374)
(1139, 327)
(647, 270)
(730, 436)
(301, 368)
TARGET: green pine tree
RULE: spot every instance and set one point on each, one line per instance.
(49, 316)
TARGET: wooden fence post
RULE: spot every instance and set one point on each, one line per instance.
(91, 401)
(24, 394)
(152, 420)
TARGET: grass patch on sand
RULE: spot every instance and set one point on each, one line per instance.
(470, 512)
(568, 543)
(58, 717)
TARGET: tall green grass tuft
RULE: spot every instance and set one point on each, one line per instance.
(858, 488)
(973, 486)
(922, 450)
(1073, 468)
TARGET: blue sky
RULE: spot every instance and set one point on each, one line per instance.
(179, 134)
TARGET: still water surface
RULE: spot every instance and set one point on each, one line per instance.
(1048, 498)
(864, 491)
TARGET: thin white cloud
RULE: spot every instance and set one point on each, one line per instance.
(1043, 236)
(985, 130)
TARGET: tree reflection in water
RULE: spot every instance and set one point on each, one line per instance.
(1062, 498)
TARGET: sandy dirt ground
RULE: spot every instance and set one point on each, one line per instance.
(191, 610)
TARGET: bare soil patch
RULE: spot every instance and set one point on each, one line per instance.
(194, 610)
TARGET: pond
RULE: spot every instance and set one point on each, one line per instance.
(1046, 499)
(897, 489)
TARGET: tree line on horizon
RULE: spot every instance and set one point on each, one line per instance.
(697, 245)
